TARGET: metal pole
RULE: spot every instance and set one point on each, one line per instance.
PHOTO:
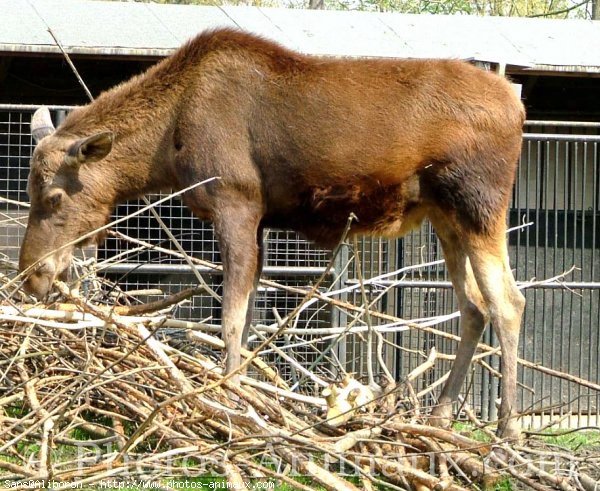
(339, 317)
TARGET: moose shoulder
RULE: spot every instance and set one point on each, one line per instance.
(298, 142)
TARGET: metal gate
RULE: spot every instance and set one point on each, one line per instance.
(557, 191)
(555, 212)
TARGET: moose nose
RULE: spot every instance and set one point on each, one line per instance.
(39, 282)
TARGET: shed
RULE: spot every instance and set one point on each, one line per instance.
(112, 40)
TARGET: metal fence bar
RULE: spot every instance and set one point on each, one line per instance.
(33, 107)
(561, 137)
(565, 124)
(563, 285)
(184, 268)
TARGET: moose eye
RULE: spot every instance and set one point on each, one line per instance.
(54, 199)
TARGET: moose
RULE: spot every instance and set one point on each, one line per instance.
(297, 142)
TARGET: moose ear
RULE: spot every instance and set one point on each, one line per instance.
(90, 149)
(41, 124)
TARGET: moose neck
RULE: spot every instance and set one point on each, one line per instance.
(141, 115)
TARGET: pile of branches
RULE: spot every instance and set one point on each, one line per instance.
(91, 392)
(93, 387)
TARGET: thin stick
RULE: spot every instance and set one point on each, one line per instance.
(71, 65)
(412, 325)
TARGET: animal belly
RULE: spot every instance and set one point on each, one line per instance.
(323, 212)
(407, 220)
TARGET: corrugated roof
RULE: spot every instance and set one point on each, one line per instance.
(146, 29)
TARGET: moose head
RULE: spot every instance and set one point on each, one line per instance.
(70, 198)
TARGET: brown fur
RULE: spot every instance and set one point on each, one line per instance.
(299, 142)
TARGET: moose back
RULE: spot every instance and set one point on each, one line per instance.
(298, 142)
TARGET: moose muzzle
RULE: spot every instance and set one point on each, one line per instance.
(40, 272)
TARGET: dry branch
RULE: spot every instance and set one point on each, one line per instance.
(400, 324)
(151, 404)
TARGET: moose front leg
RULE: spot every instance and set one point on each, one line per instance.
(236, 226)
(257, 274)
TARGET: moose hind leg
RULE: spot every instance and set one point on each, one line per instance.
(489, 258)
(472, 322)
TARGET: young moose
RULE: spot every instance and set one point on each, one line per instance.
(298, 142)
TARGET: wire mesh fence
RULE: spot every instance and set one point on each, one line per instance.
(557, 191)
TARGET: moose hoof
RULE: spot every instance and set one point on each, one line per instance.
(509, 432)
(499, 456)
(441, 416)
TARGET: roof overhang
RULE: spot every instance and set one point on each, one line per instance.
(147, 30)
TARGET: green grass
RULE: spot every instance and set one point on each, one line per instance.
(505, 485)
(573, 440)
(569, 441)
(470, 431)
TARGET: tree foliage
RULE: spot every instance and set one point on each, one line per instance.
(515, 8)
